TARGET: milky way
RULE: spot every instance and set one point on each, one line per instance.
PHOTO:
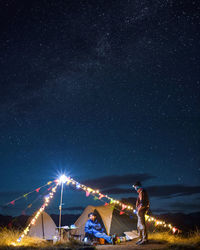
(101, 89)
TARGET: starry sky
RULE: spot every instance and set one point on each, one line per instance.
(107, 92)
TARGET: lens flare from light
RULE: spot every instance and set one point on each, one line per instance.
(63, 178)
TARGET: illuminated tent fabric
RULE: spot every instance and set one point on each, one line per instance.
(44, 227)
(110, 219)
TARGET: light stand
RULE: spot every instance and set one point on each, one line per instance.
(62, 180)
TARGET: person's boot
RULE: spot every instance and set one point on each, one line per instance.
(142, 242)
(144, 237)
(113, 238)
(140, 237)
(138, 242)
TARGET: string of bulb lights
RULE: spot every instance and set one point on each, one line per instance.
(47, 199)
(123, 206)
(68, 180)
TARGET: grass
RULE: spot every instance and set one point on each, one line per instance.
(8, 241)
(178, 242)
(8, 237)
(190, 241)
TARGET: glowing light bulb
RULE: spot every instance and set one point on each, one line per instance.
(174, 230)
(63, 178)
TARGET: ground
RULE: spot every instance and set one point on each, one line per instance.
(131, 245)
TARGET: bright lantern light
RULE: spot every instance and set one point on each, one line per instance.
(63, 178)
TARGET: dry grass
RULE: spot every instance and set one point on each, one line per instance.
(8, 237)
(191, 241)
(8, 240)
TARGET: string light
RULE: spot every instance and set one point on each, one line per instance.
(68, 180)
(37, 214)
(63, 178)
(25, 195)
(89, 190)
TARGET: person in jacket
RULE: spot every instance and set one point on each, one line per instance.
(94, 229)
(142, 206)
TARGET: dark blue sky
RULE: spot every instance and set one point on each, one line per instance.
(107, 91)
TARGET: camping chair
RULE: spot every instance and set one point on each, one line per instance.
(76, 236)
(91, 239)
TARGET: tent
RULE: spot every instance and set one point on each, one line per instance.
(44, 227)
(110, 219)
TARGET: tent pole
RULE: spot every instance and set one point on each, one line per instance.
(42, 226)
(60, 207)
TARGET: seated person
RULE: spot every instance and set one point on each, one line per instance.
(94, 229)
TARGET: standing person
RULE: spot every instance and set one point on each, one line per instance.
(94, 229)
(142, 206)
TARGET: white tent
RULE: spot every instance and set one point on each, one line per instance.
(110, 219)
(44, 227)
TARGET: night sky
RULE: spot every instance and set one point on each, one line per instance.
(107, 92)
